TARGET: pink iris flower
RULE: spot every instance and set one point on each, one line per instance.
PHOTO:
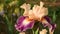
(38, 13)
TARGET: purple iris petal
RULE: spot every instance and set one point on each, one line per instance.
(49, 24)
(20, 19)
(21, 27)
(53, 26)
(45, 25)
(29, 26)
(48, 19)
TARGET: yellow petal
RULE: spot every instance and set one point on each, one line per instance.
(41, 4)
(43, 12)
(31, 15)
(26, 7)
(35, 10)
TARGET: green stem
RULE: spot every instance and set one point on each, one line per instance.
(54, 16)
(36, 32)
(8, 25)
(33, 31)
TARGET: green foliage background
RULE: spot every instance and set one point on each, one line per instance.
(8, 19)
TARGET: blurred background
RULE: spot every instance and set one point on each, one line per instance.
(10, 10)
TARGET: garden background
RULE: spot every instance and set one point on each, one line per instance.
(10, 10)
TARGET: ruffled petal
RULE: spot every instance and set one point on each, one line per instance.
(52, 27)
(23, 24)
(47, 22)
(26, 7)
(48, 19)
(39, 11)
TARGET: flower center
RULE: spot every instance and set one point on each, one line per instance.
(26, 21)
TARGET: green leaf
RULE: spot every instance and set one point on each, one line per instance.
(54, 16)
(36, 32)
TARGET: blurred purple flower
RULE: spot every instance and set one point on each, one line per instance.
(23, 24)
(1, 12)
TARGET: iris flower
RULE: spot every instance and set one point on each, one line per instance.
(38, 13)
